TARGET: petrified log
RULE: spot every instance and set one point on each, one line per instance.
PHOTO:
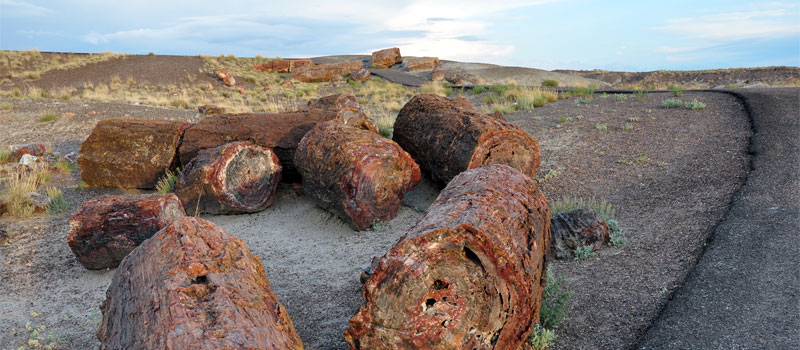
(360, 75)
(193, 286)
(421, 63)
(237, 177)
(130, 153)
(446, 137)
(104, 230)
(282, 66)
(226, 77)
(354, 173)
(34, 149)
(575, 229)
(468, 275)
(386, 58)
(325, 72)
(279, 131)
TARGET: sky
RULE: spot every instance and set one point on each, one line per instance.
(632, 35)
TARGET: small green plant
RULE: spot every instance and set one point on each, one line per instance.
(617, 239)
(695, 105)
(633, 119)
(604, 210)
(620, 97)
(671, 103)
(57, 203)
(732, 86)
(551, 173)
(584, 252)
(582, 101)
(64, 166)
(640, 94)
(501, 88)
(563, 119)
(584, 91)
(601, 126)
(5, 156)
(604, 95)
(555, 301)
(541, 338)
(549, 82)
(677, 90)
(478, 90)
(167, 182)
(386, 132)
(491, 99)
(627, 127)
(48, 117)
(6, 106)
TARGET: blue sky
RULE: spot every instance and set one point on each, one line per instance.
(547, 34)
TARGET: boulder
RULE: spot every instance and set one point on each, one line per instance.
(360, 75)
(438, 75)
(325, 72)
(130, 153)
(575, 229)
(104, 230)
(28, 159)
(193, 286)
(386, 58)
(421, 63)
(226, 77)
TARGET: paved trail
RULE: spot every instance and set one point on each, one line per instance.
(744, 292)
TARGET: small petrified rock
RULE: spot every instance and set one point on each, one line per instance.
(438, 75)
(360, 75)
(386, 58)
(468, 275)
(226, 77)
(34, 149)
(421, 63)
(104, 230)
(193, 286)
(238, 177)
(356, 174)
(40, 201)
(575, 229)
(130, 153)
(28, 159)
(325, 72)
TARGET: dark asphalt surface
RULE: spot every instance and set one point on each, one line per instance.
(744, 292)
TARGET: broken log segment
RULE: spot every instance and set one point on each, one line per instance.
(355, 173)
(468, 275)
(383, 59)
(104, 230)
(421, 63)
(237, 177)
(130, 153)
(193, 286)
(325, 72)
(446, 137)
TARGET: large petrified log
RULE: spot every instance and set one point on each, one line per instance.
(130, 153)
(237, 177)
(283, 66)
(279, 131)
(468, 275)
(386, 58)
(422, 63)
(354, 173)
(325, 72)
(446, 137)
(193, 286)
(576, 229)
(104, 230)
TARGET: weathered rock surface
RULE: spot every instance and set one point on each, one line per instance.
(211, 110)
(193, 286)
(356, 174)
(325, 72)
(28, 159)
(575, 229)
(226, 77)
(130, 153)
(386, 58)
(446, 137)
(282, 66)
(360, 75)
(104, 230)
(421, 63)
(234, 178)
(40, 201)
(34, 149)
(468, 275)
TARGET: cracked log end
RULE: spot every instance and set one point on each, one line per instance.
(193, 286)
(468, 275)
(237, 177)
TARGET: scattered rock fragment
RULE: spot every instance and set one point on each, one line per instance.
(34, 149)
(438, 75)
(226, 77)
(40, 201)
(383, 59)
(28, 159)
(360, 75)
(576, 229)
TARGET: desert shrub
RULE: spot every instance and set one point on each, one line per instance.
(48, 117)
(617, 239)
(584, 91)
(541, 338)
(640, 94)
(5, 156)
(695, 105)
(555, 301)
(549, 82)
(677, 90)
(634, 119)
(478, 90)
(501, 88)
(601, 126)
(6, 106)
(582, 101)
(166, 184)
(604, 95)
(18, 185)
(584, 252)
(627, 127)
(64, 166)
(732, 86)
(57, 203)
(620, 97)
(672, 103)
(504, 107)
(551, 173)
(491, 98)
(602, 208)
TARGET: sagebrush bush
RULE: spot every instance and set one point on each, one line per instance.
(57, 203)
(541, 338)
(672, 103)
(549, 82)
(695, 105)
(555, 301)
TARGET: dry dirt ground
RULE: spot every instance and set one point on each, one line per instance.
(670, 177)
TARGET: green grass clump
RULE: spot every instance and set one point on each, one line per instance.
(541, 338)
(64, 166)
(627, 127)
(584, 91)
(603, 209)
(620, 97)
(491, 98)
(5, 156)
(677, 90)
(48, 117)
(6, 106)
(501, 88)
(582, 101)
(732, 86)
(601, 126)
(57, 203)
(695, 105)
(617, 239)
(478, 90)
(640, 94)
(584, 252)
(672, 103)
(167, 182)
(555, 301)
(549, 82)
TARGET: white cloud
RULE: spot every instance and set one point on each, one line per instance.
(757, 24)
(13, 8)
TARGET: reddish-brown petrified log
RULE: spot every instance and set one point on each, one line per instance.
(226, 77)
(576, 229)
(446, 137)
(325, 72)
(104, 230)
(279, 131)
(355, 173)
(468, 275)
(193, 286)
(130, 153)
(237, 177)
(34, 149)
(421, 63)
(386, 58)
(282, 66)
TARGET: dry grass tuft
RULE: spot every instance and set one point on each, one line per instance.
(19, 183)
